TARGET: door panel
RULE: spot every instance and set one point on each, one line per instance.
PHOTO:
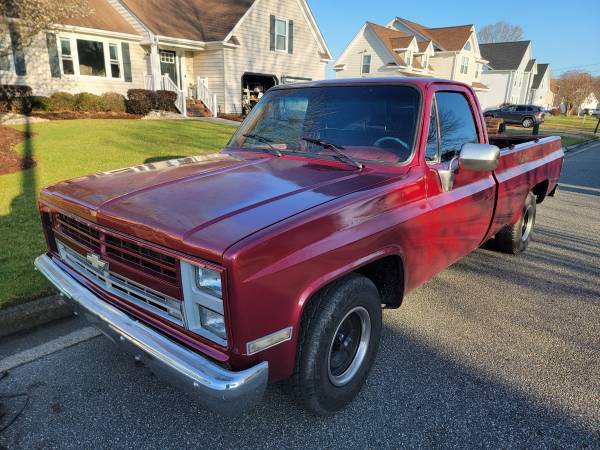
(460, 217)
(168, 65)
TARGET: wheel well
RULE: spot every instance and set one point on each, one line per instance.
(540, 190)
(388, 276)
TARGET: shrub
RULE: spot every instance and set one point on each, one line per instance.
(555, 111)
(16, 99)
(62, 101)
(40, 103)
(112, 102)
(84, 101)
(141, 101)
(165, 101)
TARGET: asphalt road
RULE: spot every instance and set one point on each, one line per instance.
(497, 351)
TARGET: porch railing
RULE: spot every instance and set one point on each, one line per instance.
(205, 96)
(166, 84)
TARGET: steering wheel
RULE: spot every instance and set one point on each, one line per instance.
(380, 141)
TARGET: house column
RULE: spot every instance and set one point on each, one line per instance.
(155, 65)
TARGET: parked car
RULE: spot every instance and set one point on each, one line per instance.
(273, 259)
(525, 115)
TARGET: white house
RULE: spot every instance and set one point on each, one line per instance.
(405, 48)
(541, 94)
(590, 103)
(511, 75)
(208, 51)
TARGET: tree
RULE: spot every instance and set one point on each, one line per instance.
(23, 20)
(500, 32)
(573, 89)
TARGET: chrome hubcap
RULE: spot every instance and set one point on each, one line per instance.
(349, 346)
(527, 223)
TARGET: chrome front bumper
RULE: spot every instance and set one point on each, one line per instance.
(218, 389)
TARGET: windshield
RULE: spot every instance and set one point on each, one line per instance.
(368, 123)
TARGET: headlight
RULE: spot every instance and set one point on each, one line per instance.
(213, 322)
(209, 281)
(203, 302)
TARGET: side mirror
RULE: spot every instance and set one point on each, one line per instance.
(479, 157)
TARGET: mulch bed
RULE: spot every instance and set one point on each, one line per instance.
(73, 115)
(10, 160)
(235, 117)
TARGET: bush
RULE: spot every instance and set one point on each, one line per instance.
(165, 101)
(112, 102)
(15, 99)
(84, 101)
(40, 103)
(140, 101)
(62, 101)
(555, 111)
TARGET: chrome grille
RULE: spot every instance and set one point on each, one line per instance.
(149, 299)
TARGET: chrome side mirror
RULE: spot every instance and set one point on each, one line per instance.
(479, 157)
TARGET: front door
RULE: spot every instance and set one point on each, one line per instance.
(168, 65)
(462, 215)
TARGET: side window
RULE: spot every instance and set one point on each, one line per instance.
(457, 126)
(521, 109)
(432, 149)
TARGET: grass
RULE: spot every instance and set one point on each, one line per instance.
(573, 130)
(66, 149)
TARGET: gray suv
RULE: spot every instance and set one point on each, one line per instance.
(525, 115)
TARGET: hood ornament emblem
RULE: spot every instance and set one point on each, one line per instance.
(97, 262)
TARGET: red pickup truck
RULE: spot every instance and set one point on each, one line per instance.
(275, 258)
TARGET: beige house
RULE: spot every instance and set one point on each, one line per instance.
(405, 48)
(221, 53)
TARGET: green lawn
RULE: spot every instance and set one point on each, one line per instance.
(573, 130)
(66, 149)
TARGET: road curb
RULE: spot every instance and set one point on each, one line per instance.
(31, 314)
(583, 145)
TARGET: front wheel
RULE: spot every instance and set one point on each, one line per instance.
(339, 340)
(527, 122)
(516, 237)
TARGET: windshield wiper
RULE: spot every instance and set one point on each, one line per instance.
(264, 140)
(337, 149)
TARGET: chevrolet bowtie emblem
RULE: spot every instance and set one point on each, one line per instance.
(97, 262)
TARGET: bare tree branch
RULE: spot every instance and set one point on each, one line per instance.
(500, 32)
(573, 89)
(32, 17)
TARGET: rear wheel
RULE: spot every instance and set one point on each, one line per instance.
(515, 238)
(338, 344)
(527, 122)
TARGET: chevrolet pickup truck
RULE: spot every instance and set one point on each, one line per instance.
(274, 259)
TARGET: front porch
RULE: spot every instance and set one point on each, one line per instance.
(172, 69)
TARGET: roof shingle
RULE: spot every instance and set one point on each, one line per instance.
(392, 39)
(102, 17)
(537, 79)
(196, 20)
(504, 55)
(448, 38)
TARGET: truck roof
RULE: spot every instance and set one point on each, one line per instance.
(389, 81)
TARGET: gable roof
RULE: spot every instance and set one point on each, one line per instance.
(195, 20)
(103, 17)
(537, 79)
(391, 39)
(448, 38)
(504, 55)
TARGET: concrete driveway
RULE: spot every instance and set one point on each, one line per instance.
(497, 351)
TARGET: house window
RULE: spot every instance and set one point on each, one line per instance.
(408, 57)
(464, 65)
(366, 64)
(476, 70)
(91, 58)
(167, 57)
(281, 34)
(66, 57)
(467, 46)
(5, 51)
(115, 66)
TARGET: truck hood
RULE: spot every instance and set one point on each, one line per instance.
(203, 205)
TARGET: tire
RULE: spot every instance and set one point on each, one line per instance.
(527, 122)
(328, 376)
(515, 238)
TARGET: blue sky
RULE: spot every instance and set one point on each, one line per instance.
(565, 33)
